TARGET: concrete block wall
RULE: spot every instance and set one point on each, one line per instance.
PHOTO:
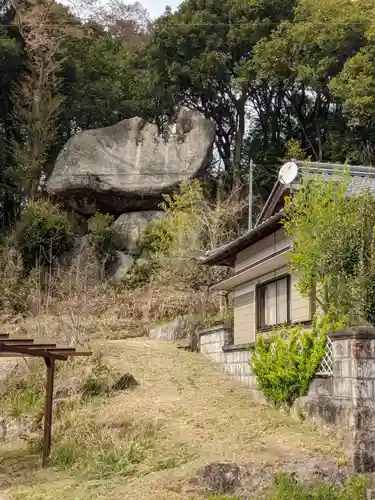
(354, 354)
(345, 400)
(214, 344)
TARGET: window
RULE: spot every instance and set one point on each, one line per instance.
(273, 303)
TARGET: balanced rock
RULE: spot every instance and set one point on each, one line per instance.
(128, 166)
(132, 225)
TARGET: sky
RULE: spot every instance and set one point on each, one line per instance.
(157, 7)
(154, 7)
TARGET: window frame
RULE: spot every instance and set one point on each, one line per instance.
(259, 302)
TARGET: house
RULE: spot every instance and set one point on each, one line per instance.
(341, 394)
(265, 294)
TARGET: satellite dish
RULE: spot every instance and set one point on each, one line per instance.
(288, 172)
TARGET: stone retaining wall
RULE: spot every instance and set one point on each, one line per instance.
(345, 400)
(168, 331)
(232, 360)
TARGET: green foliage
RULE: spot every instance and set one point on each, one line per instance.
(333, 249)
(141, 272)
(22, 395)
(98, 71)
(42, 234)
(171, 232)
(104, 237)
(100, 450)
(286, 360)
(293, 150)
(99, 381)
(191, 225)
(287, 488)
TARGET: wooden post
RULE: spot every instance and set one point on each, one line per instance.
(50, 363)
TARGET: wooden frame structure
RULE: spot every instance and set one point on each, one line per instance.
(50, 352)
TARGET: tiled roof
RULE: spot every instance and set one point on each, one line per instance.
(362, 177)
(359, 184)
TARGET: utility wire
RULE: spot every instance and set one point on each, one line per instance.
(77, 24)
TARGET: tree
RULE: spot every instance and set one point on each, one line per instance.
(333, 249)
(95, 85)
(298, 64)
(355, 86)
(12, 62)
(201, 57)
(36, 100)
(98, 70)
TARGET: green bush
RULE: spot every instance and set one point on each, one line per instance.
(285, 361)
(174, 231)
(104, 237)
(42, 234)
(287, 487)
(100, 449)
(140, 273)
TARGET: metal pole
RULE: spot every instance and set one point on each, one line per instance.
(50, 363)
(251, 195)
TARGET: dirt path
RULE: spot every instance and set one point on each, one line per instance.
(201, 417)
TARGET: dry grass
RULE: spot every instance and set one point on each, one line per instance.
(183, 415)
(87, 309)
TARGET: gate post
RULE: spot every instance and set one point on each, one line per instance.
(354, 384)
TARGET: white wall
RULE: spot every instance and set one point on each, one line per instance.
(262, 249)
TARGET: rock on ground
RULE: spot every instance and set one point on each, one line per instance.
(128, 166)
(132, 225)
(120, 268)
(12, 428)
(125, 382)
(225, 478)
(173, 330)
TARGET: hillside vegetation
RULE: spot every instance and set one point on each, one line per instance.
(278, 79)
(149, 442)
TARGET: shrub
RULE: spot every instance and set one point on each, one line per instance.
(42, 234)
(16, 290)
(104, 237)
(287, 487)
(333, 250)
(140, 273)
(100, 449)
(23, 393)
(285, 362)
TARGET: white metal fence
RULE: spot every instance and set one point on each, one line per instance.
(326, 366)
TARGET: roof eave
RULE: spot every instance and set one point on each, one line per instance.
(226, 255)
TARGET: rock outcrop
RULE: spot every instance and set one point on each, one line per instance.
(128, 166)
(173, 330)
(225, 478)
(132, 225)
(120, 268)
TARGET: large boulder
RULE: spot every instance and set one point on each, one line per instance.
(132, 225)
(119, 269)
(128, 166)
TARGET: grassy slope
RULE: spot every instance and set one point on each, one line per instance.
(196, 415)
